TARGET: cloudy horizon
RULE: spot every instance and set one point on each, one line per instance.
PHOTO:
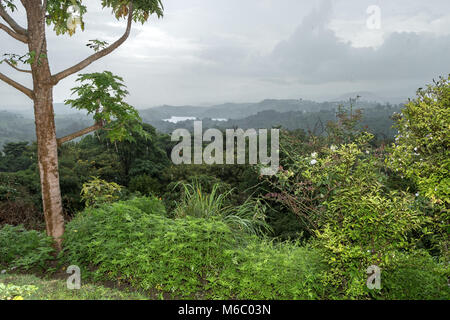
(208, 52)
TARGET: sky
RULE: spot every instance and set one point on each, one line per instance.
(206, 52)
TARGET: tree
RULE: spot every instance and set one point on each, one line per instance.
(64, 16)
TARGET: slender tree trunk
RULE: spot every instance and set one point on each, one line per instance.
(48, 163)
(45, 123)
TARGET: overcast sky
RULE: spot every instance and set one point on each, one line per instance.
(209, 51)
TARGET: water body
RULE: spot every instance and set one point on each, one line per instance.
(180, 119)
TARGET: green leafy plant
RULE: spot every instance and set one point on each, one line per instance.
(102, 94)
(13, 292)
(24, 249)
(272, 271)
(98, 191)
(147, 250)
(421, 152)
(414, 276)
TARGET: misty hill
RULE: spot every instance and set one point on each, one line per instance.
(236, 111)
(376, 118)
(290, 114)
(16, 127)
(370, 97)
(233, 110)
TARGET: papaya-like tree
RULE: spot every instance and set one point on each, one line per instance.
(66, 16)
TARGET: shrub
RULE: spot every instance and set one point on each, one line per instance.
(149, 205)
(414, 276)
(24, 249)
(422, 147)
(147, 249)
(341, 198)
(264, 270)
(421, 152)
(98, 191)
(144, 184)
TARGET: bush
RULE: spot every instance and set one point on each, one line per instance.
(20, 248)
(98, 191)
(266, 271)
(146, 185)
(415, 276)
(421, 152)
(146, 249)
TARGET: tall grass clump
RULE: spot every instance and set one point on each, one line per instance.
(248, 217)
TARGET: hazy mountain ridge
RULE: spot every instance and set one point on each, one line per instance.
(289, 113)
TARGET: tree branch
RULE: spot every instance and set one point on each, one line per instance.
(80, 133)
(86, 62)
(14, 67)
(11, 22)
(13, 34)
(29, 93)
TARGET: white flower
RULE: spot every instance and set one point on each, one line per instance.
(415, 149)
(367, 152)
(417, 194)
(314, 155)
(313, 162)
(333, 148)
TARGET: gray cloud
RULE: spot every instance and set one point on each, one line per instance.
(214, 52)
(314, 54)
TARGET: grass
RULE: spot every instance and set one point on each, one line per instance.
(53, 289)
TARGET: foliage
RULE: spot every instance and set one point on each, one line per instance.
(264, 270)
(171, 255)
(421, 151)
(13, 292)
(340, 196)
(24, 249)
(98, 191)
(422, 148)
(248, 217)
(102, 94)
(59, 13)
(414, 276)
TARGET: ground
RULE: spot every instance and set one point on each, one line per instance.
(55, 289)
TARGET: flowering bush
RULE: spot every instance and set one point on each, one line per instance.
(421, 151)
(340, 195)
(422, 147)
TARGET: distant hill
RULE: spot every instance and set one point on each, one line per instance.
(377, 119)
(233, 110)
(368, 96)
(15, 127)
(290, 114)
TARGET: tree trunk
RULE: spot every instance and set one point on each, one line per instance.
(48, 163)
(45, 122)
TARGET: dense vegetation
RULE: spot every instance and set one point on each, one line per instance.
(342, 201)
